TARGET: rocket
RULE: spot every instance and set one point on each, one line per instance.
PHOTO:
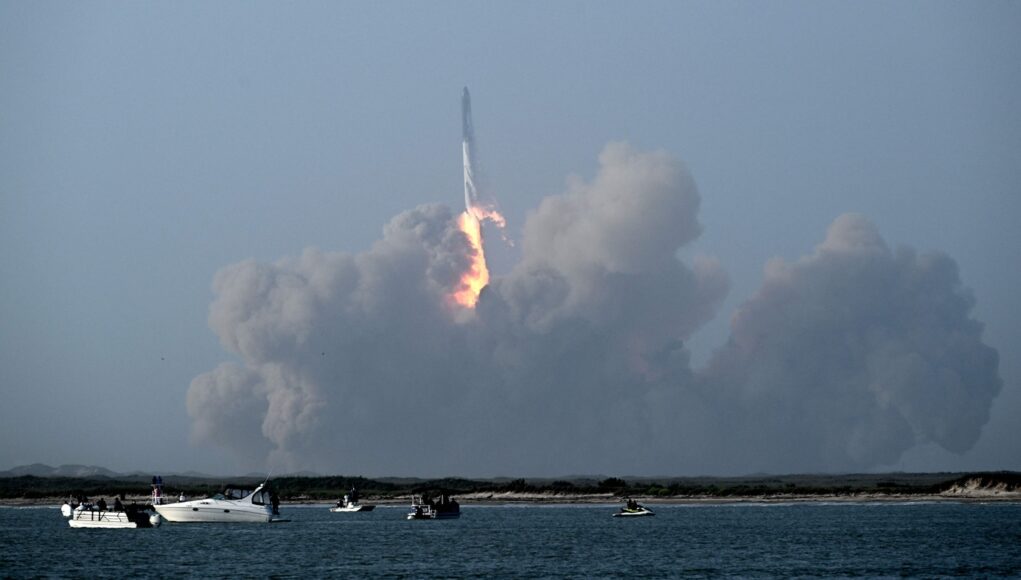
(471, 193)
(467, 133)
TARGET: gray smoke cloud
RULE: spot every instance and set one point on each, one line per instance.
(575, 362)
(848, 357)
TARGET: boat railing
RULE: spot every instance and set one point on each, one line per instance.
(95, 514)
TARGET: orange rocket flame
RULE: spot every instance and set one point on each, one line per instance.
(475, 278)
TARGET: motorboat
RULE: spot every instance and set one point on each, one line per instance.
(132, 516)
(350, 504)
(233, 504)
(424, 508)
(633, 509)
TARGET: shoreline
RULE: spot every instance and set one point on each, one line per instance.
(526, 499)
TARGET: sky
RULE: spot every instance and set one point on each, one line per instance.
(742, 237)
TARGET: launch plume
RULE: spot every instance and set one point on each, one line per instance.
(575, 361)
(475, 212)
(358, 362)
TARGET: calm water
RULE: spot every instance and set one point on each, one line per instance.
(917, 539)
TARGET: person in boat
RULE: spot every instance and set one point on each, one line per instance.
(117, 505)
(275, 500)
(101, 504)
(353, 495)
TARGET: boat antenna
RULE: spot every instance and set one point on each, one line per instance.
(268, 475)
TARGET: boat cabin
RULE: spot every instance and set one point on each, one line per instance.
(260, 496)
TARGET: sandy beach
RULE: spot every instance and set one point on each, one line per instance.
(496, 498)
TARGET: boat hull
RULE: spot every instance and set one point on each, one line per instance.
(108, 525)
(188, 513)
(352, 509)
(434, 516)
(633, 514)
(414, 517)
(102, 520)
(110, 519)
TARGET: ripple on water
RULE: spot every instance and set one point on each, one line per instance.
(838, 539)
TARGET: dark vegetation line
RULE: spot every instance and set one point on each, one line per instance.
(332, 487)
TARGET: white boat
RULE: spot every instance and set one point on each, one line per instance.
(347, 506)
(85, 516)
(633, 509)
(423, 508)
(350, 504)
(234, 504)
(352, 507)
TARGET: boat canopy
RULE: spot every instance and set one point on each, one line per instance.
(231, 492)
(262, 495)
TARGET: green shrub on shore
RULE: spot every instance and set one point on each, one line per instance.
(329, 488)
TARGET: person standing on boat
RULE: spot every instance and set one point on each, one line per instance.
(117, 505)
(101, 504)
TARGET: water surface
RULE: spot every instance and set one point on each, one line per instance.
(566, 541)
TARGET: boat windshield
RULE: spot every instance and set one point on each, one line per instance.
(233, 493)
(262, 497)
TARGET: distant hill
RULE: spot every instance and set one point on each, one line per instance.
(42, 470)
(93, 471)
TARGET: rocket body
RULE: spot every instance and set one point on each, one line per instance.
(471, 193)
(467, 132)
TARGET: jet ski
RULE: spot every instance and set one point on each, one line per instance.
(633, 509)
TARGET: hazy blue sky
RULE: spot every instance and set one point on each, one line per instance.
(145, 146)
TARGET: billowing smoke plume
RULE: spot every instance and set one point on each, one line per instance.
(850, 356)
(575, 361)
